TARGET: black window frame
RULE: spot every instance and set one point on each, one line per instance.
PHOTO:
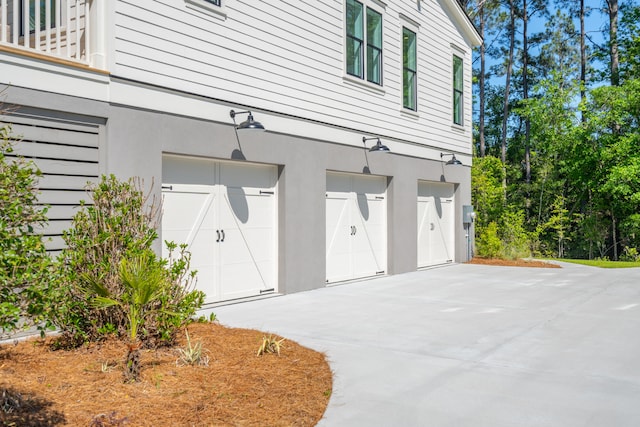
(406, 71)
(366, 52)
(458, 91)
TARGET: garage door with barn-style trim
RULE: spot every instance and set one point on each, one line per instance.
(356, 227)
(436, 234)
(226, 214)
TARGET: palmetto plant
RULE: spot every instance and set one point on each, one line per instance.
(144, 280)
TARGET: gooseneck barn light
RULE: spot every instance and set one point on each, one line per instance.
(249, 124)
(452, 161)
(378, 148)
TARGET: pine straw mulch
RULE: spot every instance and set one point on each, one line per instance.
(512, 262)
(84, 387)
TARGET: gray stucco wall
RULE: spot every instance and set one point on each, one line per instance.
(135, 140)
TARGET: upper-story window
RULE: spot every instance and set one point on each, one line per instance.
(409, 70)
(364, 42)
(458, 92)
(213, 8)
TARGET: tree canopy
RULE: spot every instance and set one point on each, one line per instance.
(560, 128)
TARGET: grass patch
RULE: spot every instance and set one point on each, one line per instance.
(602, 263)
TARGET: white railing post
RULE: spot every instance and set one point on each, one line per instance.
(87, 31)
(98, 39)
(78, 47)
(36, 24)
(47, 25)
(15, 23)
(68, 27)
(58, 24)
(25, 23)
(3, 20)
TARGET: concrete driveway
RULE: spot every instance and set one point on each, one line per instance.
(470, 345)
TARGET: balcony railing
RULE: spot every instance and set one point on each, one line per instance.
(58, 28)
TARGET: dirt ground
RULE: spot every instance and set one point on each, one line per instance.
(513, 263)
(84, 387)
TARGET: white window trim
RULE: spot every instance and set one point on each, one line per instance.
(209, 9)
(363, 83)
(462, 54)
(409, 24)
(380, 7)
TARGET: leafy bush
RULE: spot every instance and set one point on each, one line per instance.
(630, 254)
(120, 223)
(515, 238)
(24, 264)
(489, 244)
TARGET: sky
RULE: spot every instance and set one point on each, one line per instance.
(595, 23)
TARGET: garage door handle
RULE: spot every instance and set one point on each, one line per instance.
(167, 187)
(218, 233)
(222, 236)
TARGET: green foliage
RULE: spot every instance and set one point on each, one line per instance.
(487, 175)
(630, 254)
(579, 186)
(112, 281)
(24, 264)
(629, 42)
(558, 224)
(515, 238)
(144, 280)
(500, 230)
(488, 243)
(603, 263)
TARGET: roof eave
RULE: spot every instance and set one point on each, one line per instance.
(469, 30)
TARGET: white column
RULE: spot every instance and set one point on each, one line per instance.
(98, 36)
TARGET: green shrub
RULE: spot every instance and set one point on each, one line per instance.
(24, 264)
(119, 223)
(630, 254)
(515, 238)
(488, 243)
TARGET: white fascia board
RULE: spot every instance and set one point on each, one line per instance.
(135, 95)
(30, 73)
(468, 29)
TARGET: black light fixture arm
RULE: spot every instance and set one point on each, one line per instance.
(365, 139)
(453, 160)
(234, 113)
(250, 123)
(378, 147)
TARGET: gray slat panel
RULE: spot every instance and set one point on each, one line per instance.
(53, 151)
(61, 197)
(65, 182)
(59, 136)
(62, 212)
(63, 167)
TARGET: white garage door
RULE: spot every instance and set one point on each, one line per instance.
(226, 214)
(436, 234)
(356, 226)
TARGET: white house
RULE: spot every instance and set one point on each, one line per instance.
(147, 88)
